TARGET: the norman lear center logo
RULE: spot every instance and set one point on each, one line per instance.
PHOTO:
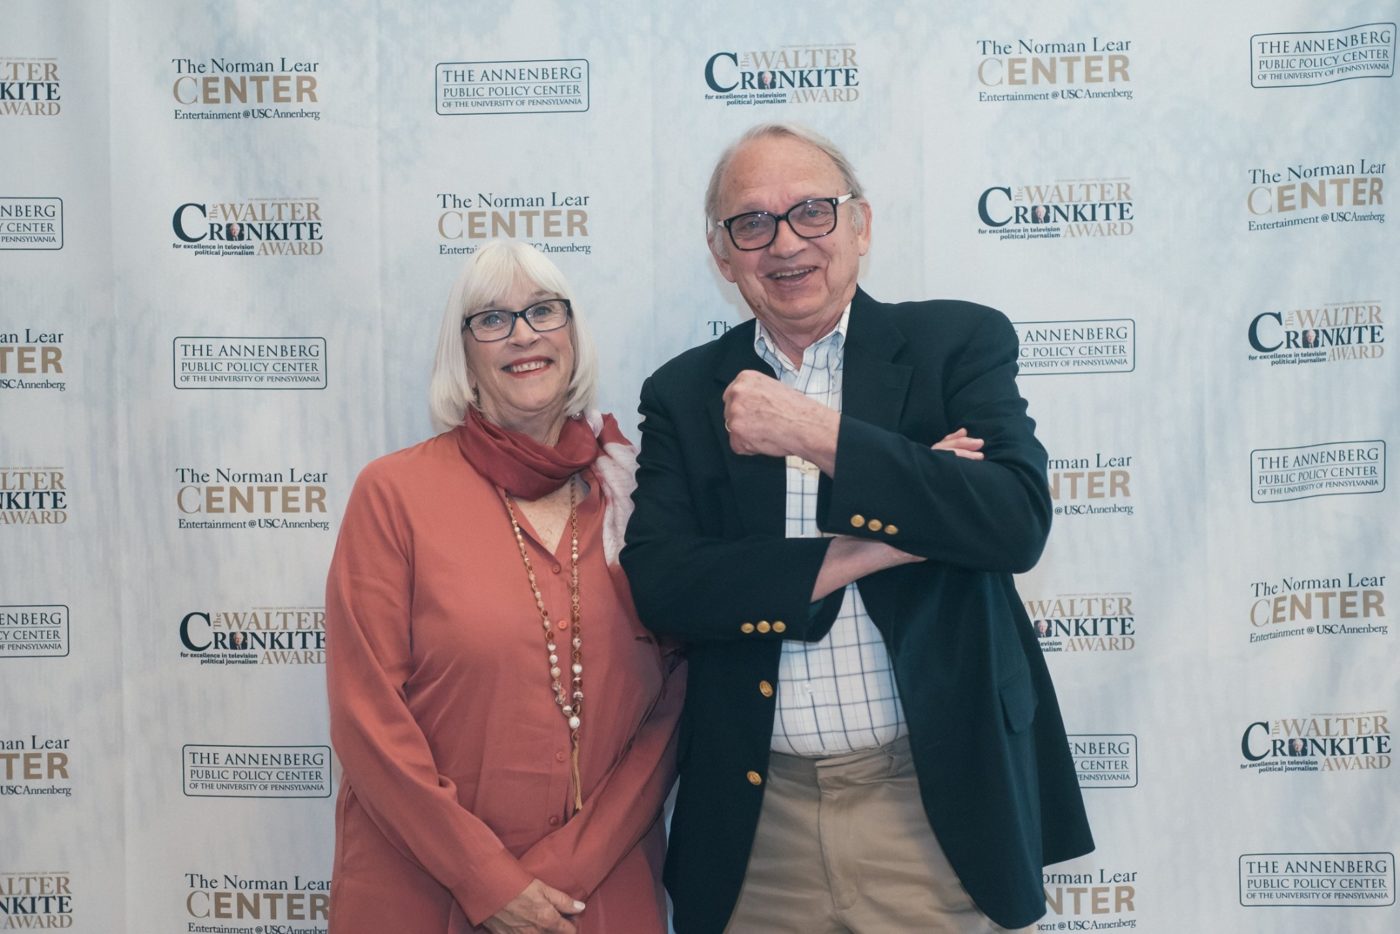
(1090, 901)
(1092, 207)
(218, 88)
(1105, 760)
(249, 362)
(33, 631)
(1053, 348)
(30, 353)
(1331, 880)
(33, 496)
(1084, 622)
(31, 223)
(1317, 194)
(1298, 59)
(794, 74)
(1080, 70)
(545, 86)
(294, 635)
(251, 499)
(1336, 468)
(1100, 485)
(1318, 743)
(35, 765)
(249, 227)
(29, 87)
(553, 221)
(1353, 605)
(36, 899)
(235, 897)
(1328, 332)
(257, 771)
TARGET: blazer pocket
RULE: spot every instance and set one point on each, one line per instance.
(1018, 702)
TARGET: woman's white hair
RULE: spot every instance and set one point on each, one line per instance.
(485, 279)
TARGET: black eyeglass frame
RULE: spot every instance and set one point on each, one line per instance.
(779, 218)
(515, 316)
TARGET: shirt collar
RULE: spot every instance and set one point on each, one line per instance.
(820, 353)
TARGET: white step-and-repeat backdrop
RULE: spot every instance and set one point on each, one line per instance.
(226, 234)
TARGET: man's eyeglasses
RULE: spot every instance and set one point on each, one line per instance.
(810, 219)
(495, 325)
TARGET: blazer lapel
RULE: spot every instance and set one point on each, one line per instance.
(759, 482)
(873, 388)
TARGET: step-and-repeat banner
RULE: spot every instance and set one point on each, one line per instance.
(227, 231)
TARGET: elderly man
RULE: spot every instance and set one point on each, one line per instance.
(870, 742)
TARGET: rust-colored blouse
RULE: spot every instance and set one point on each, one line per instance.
(455, 792)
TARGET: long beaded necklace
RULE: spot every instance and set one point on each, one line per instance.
(571, 706)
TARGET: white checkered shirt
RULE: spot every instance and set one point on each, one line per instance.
(837, 695)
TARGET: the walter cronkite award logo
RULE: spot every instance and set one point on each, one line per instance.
(29, 87)
(543, 86)
(1094, 486)
(249, 227)
(249, 362)
(36, 765)
(1084, 622)
(32, 358)
(1056, 348)
(33, 631)
(283, 901)
(1331, 606)
(1094, 207)
(31, 223)
(1330, 880)
(1105, 760)
(1334, 468)
(285, 635)
(551, 220)
(1299, 59)
(212, 771)
(794, 74)
(1328, 332)
(36, 899)
(1084, 901)
(221, 88)
(1096, 68)
(227, 499)
(33, 496)
(1351, 192)
(1330, 742)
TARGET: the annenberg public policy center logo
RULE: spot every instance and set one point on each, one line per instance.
(248, 362)
(1062, 348)
(1024, 68)
(540, 86)
(1095, 486)
(1330, 742)
(265, 904)
(37, 899)
(1084, 622)
(1298, 59)
(553, 220)
(36, 764)
(1332, 468)
(792, 74)
(1103, 899)
(1325, 332)
(226, 499)
(1316, 193)
(249, 227)
(33, 496)
(30, 630)
(32, 359)
(31, 223)
(30, 87)
(1318, 880)
(1330, 606)
(258, 635)
(1089, 207)
(223, 88)
(218, 771)
(1105, 760)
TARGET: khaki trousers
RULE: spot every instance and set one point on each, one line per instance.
(843, 847)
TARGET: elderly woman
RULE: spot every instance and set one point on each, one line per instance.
(505, 724)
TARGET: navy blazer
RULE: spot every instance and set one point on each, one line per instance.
(709, 565)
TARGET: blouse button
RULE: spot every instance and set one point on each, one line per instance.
(563, 624)
(554, 821)
(560, 756)
(555, 569)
